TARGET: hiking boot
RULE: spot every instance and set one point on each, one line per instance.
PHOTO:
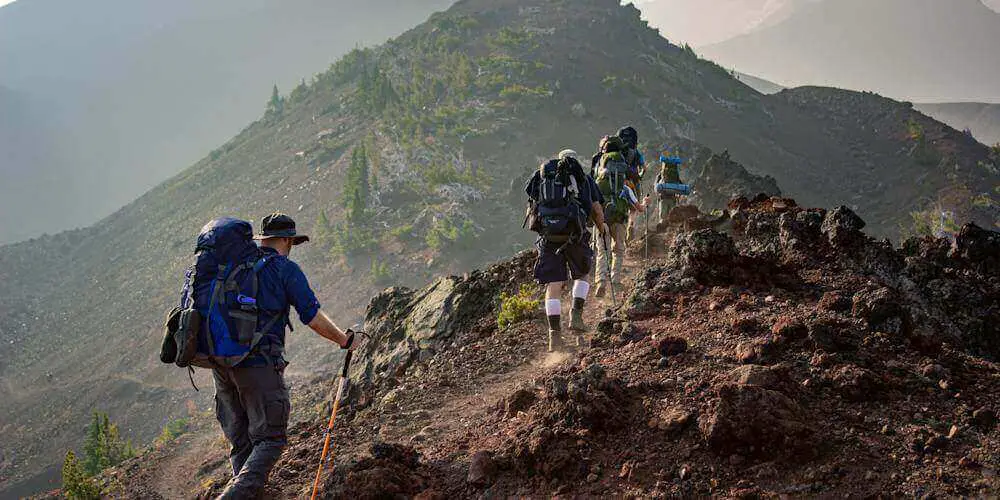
(555, 340)
(576, 321)
(581, 342)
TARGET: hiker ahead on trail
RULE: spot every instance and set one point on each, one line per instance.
(669, 174)
(234, 308)
(562, 200)
(618, 182)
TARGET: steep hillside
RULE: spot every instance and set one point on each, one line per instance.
(793, 355)
(921, 50)
(140, 90)
(944, 164)
(982, 119)
(432, 135)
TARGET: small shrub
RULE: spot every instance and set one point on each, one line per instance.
(517, 307)
(445, 234)
(173, 430)
(402, 233)
(350, 240)
(380, 273)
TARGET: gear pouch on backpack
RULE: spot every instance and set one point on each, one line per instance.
(558, 224)
(168, 346)
(186, 337)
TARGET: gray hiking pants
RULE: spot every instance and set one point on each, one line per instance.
(252, 405)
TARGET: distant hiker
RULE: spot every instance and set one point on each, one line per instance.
(234, 308)
(617, 181)
(630, 138)
(563, 198)
(669, 172)
(602, 146)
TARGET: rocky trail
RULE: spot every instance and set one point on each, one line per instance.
(788, 355)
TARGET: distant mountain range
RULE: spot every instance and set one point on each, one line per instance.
(982, 119)
(133, 92)
(918, 50)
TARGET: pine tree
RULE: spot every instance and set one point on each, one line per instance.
(104, 446)
(92, 448)
(322, 231)
(76, 484)
(276, 105)
(356, 186)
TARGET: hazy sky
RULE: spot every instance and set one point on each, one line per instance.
(704, 22)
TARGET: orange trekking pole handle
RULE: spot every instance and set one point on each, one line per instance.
(329, 428)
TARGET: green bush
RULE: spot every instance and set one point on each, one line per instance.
(173, 430)
(402, 233)
(350, 240)
(380, 272)
(445, 234)
(518, 307)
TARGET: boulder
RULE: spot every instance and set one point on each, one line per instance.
(854, 383)
(842, 227)
(754, 421)
(671, 346)
(979, 247)
(704, 255)
(519, 401)
(481, 469)
(883, 311)
(767, 377)
(407, 326)
(834, 301)
(789, 328)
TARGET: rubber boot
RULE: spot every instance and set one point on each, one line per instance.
(576, 320)
(555, 334)
(576, 325)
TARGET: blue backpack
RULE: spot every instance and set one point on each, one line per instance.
(217, 321)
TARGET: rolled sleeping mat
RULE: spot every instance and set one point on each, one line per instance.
(672, 188)
(671, 160)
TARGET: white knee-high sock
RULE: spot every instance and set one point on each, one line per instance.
(553, 307)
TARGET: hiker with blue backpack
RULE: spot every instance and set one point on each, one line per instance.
(562, 199)
(618, 182)
(234, 307)
(668, 186)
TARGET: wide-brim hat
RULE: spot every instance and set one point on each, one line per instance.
(279, 225)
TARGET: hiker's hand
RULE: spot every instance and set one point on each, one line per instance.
(354, 340)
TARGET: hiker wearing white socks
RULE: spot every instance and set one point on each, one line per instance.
(563, 200)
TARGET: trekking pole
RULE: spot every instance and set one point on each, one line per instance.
(645, 258)
(333, 416)
(607, 263)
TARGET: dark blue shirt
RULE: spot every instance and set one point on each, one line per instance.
(283, 285)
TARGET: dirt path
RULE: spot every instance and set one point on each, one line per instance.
(435, 424)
